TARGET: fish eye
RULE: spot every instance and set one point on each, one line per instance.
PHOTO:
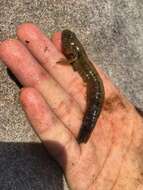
(72, 43)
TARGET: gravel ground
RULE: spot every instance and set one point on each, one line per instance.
(112, 33)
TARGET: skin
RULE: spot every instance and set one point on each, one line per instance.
(53, 97)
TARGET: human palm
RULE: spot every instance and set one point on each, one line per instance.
(54, 99)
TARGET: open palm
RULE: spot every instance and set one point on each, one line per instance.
(53, 97)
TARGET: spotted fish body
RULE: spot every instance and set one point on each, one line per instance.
(76, 55)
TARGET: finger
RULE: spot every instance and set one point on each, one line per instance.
(30, 73)
(48, 55)
(57, 138)
(22, 64)
(56, 39)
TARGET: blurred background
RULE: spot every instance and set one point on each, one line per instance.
(112, 33)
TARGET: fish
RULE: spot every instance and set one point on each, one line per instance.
(95, 93)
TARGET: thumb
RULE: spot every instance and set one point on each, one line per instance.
(59, 141)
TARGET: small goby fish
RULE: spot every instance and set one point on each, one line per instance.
(76, 56)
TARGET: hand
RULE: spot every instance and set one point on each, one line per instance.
(53, 97)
